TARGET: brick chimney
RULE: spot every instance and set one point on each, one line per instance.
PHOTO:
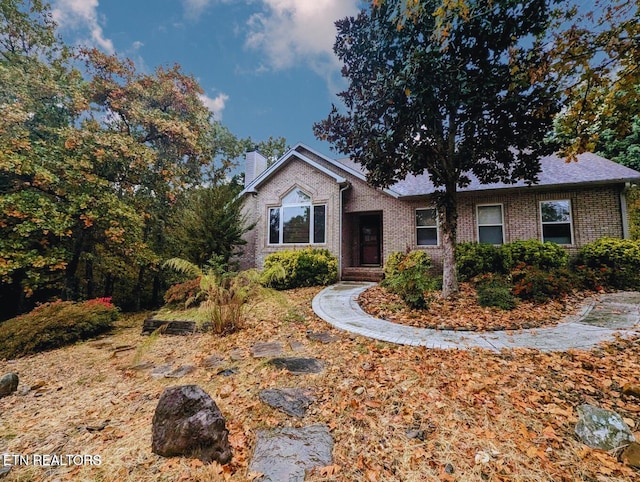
(255, 165)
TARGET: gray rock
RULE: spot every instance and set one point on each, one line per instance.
(285, 454)
(292, 401)
(161, 371)
(8, 384)
(188, 422)
(180, 371)
(602, 429)
(213, 361)
(261, 350)
(299, 366)
(236, 354)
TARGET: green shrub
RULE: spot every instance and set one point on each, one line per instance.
(473, 259)
(613, 262)
(304, 267)
(534, 253)
(495, 291)
(53, 325)
(408, 276)
(531, 283)
(180, 293)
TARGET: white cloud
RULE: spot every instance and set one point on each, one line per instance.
(82, 14)
(215, 105)
(298, 31)
(193, 8)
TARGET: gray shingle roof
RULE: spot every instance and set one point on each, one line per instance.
(588, 169)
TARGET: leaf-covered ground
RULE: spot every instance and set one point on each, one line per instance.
(396, 413)
(464, 313)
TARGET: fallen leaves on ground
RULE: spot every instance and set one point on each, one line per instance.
(396, 413)
(463, 312)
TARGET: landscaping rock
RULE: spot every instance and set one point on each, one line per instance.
(292, 401)
(322, 337)
(296, 346)
(236, 354)
(213, 361)
(602, 429)
(631, 455)
(8, 384)
(299, 366)
(285, 454)
(161, 371)
(180, 371)
(262, 350)
(188, 422)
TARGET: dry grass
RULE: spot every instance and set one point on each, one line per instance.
(506, 416)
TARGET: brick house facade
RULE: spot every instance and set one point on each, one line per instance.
(308, 199)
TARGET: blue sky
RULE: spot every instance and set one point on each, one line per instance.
(266, 66)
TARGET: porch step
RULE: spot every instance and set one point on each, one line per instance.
(359, 273)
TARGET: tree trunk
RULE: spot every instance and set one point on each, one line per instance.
(449, 223)
(88, 274)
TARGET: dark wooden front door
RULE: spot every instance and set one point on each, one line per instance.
(370, 230)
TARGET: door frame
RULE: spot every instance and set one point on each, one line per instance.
(369, 220)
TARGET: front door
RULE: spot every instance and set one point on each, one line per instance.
(370, 230)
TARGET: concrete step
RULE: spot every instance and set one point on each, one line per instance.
(360, 273)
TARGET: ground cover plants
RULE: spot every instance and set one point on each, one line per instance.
(396, 413)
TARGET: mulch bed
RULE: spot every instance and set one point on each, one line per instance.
(464, 314)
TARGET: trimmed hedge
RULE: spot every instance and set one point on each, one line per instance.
(304, 267)
(613, 262)
(57, 324)
(473, 259)
(534, 253)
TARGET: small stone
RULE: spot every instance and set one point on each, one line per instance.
(213, 361)
(296, 346)
(359, 390)
(227, 372)
(292, 401)
(262, 350)
(8, 384)
(631, 455)
(187, 422)
(298, 366)
(602, 429)
(448, 468)
(236, 355)
(181, 371)
(416, 434)
(161, 371)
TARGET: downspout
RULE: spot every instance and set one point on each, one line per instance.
(340, 240)
(623, 211)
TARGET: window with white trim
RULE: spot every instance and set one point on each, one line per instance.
(490, 224)
(427, 227)
(297, 220)
(556, 221)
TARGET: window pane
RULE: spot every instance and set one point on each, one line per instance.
(318, 224)
(557, 233)
(490, 234)
(296, 197)
(427, 236)
(295, 224)
(556, 211)
(426, 217)
(489, 215)
(274, 226)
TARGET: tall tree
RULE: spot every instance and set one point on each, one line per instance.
(471, 98)
(596, 53)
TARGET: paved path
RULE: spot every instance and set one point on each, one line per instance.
(614, 313)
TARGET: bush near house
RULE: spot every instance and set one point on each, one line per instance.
(407, 275)
(473, 259)
(495, 290)
(611, 262)
(300, 268)
(56, 324)
(534, 253)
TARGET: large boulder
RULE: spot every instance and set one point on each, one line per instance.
(8, 384)
(187, 422)
(602, 429)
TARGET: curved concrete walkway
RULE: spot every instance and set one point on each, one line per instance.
(611, 314)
